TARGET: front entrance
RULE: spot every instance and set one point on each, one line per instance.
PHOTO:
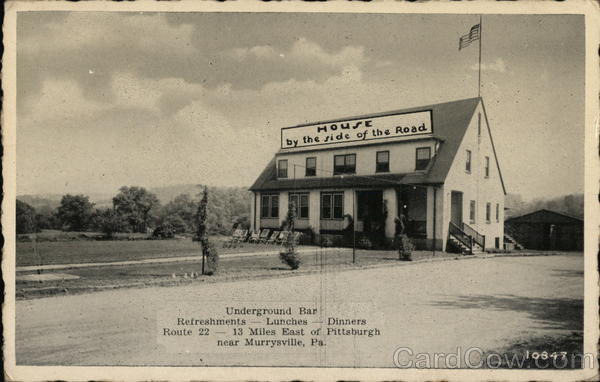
(369, 211)
(456, 208)
(412, 205)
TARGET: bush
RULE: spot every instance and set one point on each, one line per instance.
(364, 243)
(405, 247)
(326, 242)
(163, 231)
(109, 222)
(290, 257)
(308, 237)
(212, 259)
(26, 218)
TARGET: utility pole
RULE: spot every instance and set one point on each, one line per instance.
(354, 226)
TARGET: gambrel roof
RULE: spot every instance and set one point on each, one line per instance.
(450, 121)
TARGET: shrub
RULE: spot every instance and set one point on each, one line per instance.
(212, 259)
(290, 257)
(308, 237)
(25, 218)
(109, 222)
(405, 247)
(164, 231)
(326, 242)
(364, 243)
(208, 251)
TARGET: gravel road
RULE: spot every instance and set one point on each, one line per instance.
(428, 307)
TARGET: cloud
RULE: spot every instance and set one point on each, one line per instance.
(497, 66)
(91, 48)
(302, 53)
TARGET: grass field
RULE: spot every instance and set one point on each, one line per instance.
(96, 251)
(176, 272)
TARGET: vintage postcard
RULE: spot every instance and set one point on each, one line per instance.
(276, 191)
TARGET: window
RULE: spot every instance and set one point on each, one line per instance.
(311, 166)
(423, 158)
(487, 167)
(488, 212)
(344, 164)
(472, 212)
(479, 125)
(383, 161)
(301, 203)
(497, 212)
(332, 205)
(497, 242)
(282, 169)
(468, 164)
(269, 206)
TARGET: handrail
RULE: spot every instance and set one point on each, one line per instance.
(477, 237)
(461, 236)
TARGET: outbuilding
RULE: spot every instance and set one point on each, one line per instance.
(435, 167)
(547, 230)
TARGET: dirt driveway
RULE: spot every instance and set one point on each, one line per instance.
(428, 307)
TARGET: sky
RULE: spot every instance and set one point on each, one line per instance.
(107, 99)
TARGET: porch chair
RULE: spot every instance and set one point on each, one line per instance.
(264, 236)
(283, 237)
(241, 237)
(295, 237)
(273, 238)
(232, 239)
(254, 236)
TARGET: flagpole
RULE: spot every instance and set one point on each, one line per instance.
(480, 36)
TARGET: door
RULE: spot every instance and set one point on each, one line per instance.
(456, 208)
(370, 210)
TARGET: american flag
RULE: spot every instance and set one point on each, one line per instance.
(467, 39)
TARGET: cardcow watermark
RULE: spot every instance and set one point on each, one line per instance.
(476, 358)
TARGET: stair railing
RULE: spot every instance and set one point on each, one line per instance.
(477, 237)
(461, 236)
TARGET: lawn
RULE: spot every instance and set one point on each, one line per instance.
(230, 268)
(95, 251)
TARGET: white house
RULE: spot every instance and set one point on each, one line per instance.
(436, 165)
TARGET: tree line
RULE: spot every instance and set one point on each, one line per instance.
(135, 209)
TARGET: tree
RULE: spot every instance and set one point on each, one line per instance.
(109, 222)
(26, 218)
(170, 226)
(75, 212)
(137, 205)
(180, 213)
(290, 256)
(209, 252)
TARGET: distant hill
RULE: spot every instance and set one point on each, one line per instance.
(167, 193)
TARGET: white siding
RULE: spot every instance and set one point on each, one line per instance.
(474, 185)
(402, 158)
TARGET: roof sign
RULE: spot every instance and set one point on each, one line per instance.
(396, 127)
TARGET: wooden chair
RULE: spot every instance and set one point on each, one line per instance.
(295, 237)
(264, 236)
(283, 237)
(254, 236)
(273, 238)
(233, 239)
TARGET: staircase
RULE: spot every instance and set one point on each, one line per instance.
(510, 239)
(466, 239)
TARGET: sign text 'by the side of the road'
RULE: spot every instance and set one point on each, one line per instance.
(396, 127)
